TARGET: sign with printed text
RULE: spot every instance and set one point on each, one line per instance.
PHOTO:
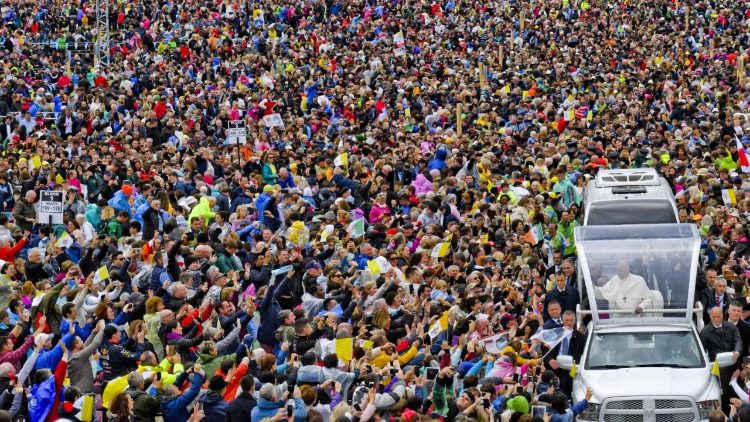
(399, 43)
(51, 207)
(236, 134)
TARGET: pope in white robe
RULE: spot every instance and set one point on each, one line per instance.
(625, 291)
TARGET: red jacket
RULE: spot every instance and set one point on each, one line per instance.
(60, 371)
(8, 254)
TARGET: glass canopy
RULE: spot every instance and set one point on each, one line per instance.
(637, 272)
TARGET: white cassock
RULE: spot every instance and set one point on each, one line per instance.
(625, 294)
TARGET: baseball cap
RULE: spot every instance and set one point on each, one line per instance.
(40, 339)
(313, 265)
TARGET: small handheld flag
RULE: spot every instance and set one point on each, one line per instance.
(715, 368)
(65, 241)
(101, 274)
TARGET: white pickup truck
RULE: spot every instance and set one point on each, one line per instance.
(648, 365)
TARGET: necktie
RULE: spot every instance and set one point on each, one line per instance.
(718, 301)
(564, 346)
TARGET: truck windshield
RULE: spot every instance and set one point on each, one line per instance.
(675, 349)
(632, 211)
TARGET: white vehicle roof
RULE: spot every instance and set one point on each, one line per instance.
(666, 327)
(648, 266)
(629, 196)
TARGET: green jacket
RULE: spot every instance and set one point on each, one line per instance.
(114, 229)
(210, 363)
(440, 396)
(225, 263)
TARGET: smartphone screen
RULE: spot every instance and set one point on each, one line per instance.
(431, 373)
(538, 411)
(289, 409)
(516, 377)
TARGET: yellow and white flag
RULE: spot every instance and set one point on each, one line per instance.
(65, 241)
(342, 160)
(441, 249)
(439, 326)
(101, 275)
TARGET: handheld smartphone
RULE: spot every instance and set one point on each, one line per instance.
(555, 382)
(394, 371)
(357, 407)
(431, 373)
(538, 411)
(529, 378)
(289, 409)
(516, 377)
(158, 376)
(538, 371)
(486, 403)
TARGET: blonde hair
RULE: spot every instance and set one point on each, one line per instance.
(339, 411)
(108, 213)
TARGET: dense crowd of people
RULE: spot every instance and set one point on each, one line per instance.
(409, 187)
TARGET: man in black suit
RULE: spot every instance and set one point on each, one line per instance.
(567, 296)
(556, 266)
(569, 270)
(734, 316)
(6, 129)
(719, 337)
(715, 297)
(571, 346)
(554, 313)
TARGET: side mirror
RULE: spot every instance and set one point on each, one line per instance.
(565, 361)
(725, 359)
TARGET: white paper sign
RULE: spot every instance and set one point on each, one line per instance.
(50, 207)
(273, 120)
(236, 135)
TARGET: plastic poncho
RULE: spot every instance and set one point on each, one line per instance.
(298, 234)
(120, 202)
(42, 399)
(421, 184)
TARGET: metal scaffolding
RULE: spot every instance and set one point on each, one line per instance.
(101, 47)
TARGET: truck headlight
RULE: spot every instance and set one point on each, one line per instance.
(704, 407)
(591, 413)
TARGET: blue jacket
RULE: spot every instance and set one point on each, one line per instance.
(174, 408)
(48, 359)
(214, 407)
(82, 332)
(570, 414)
(261, 204)
(267, 409)
(287, 183)
(343, 182)
(269, 310)
(120, 202)
(362, 261)
(438, 163)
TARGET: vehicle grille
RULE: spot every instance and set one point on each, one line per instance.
(672, 404)
(623, 418)
(625, 404)
(665, 409)
(679, 417)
